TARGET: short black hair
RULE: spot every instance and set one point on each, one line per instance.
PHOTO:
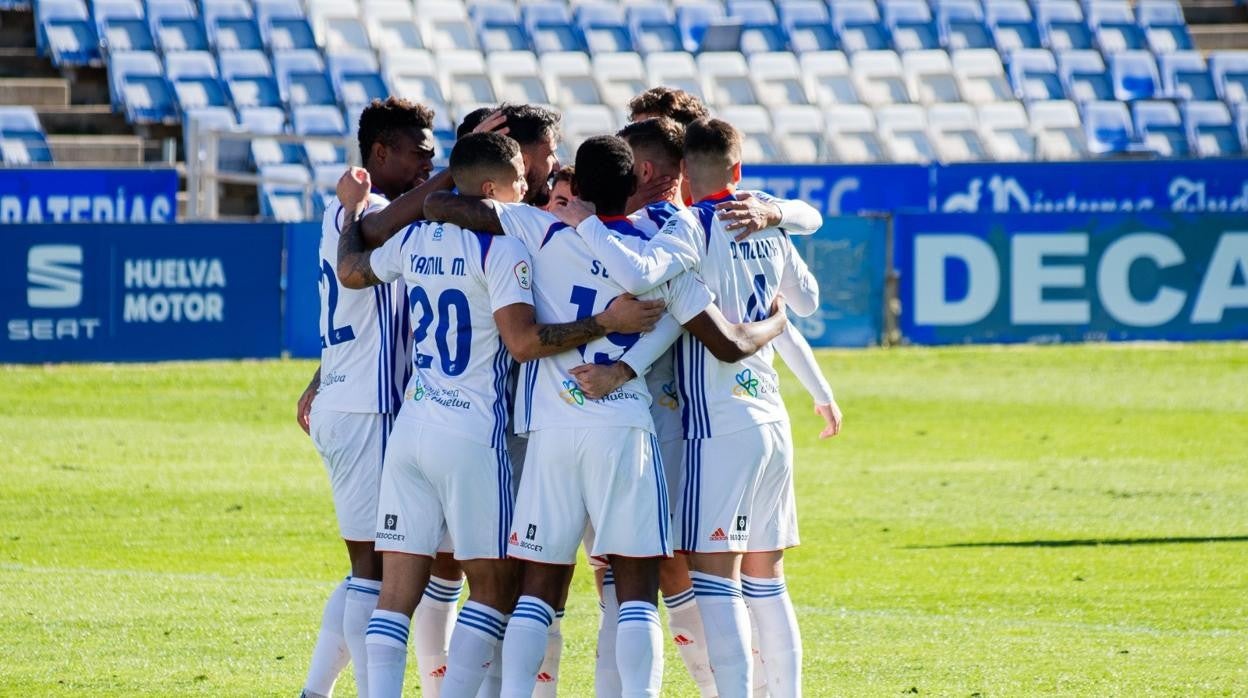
(480, 156)
(530, 123)
(712, 142)
(472, 120)
(659, 135)
(671, 102)
(382, 121)
(604, 173)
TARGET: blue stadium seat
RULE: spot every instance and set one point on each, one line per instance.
(962, 24)
(282, 195)
(858, 26)
(22, 139)
(122, 26)
(761, 31)
(1062, 27)
(195, 81)
(249, 80)
(911, 25)
(1108, 128)
(1185, 76)
(302, 79)
(231, 26)
(653, 27)
(1115, 27)
(1164, 27)
(266, 151)
(445, 26)
(1210, 129)
(320, 120)
(604, 27)
(499, 27)
(233, 155)
(1135, 75)
(1241, 124)
(1084, 76)
(693, 18)
(1230, 75)
(66, 33)
(176, 26)
(808, 26)
(550, 27)
(1013, 27)
(1161, 128)
(284, 26)
(1034, 76)
(137, 84)
(356, 79)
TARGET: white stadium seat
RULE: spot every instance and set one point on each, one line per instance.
(570, 78)
(981, 77)
(929, 77)
(621, 76)
(674, 69)
(1058, 130)
(725, 79)
(799, 133)
(852, 134)
(516, 77)
(754, 123)
(828, 78)
(777, 79)
(879, 78)
(903, 130)
(464, 78)
(1006, 131)
(954, 129)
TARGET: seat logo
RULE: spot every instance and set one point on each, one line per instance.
(54, 273)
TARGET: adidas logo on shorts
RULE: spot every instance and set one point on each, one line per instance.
(543, 677)
(719, 535)
(514, 540)
(439, 673)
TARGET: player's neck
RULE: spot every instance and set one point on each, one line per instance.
(711, 190)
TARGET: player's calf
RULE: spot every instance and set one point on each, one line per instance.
(386, 637)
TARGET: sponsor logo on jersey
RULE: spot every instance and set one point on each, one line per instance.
(572, 393)
(669, 399)
(392, 522)
(747, 384)
(523, 276)
(719, 535)
(417, 393)
(682, 641)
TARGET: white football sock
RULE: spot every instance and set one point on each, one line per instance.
(492, 686)
(760, 673)
(360, 603)
(387, 653)
(524, 646)
(685, 625)
(606, 671)
(639, 650)
(431, 632)
(727, 624)
(477, 633)
(779, 640)
(548, 673)
(330, 655)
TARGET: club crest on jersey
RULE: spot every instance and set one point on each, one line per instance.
(437, 233)
(747, 384)
(669, 397)
(572, 393)
(524, 277)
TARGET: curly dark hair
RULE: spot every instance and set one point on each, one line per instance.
(526, 123)
(673, 103)
(382, 121)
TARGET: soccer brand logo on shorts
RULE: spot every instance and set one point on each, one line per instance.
(572, 393)
(515, 539)
(747, 384)
(742, 523)
(392, 522)
(523, 276)
(719, 535)
(532, 532)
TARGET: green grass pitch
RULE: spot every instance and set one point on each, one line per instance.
(1066, 520)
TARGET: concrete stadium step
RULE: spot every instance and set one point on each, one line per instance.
(1220, 37)
(35, 92)
(1214, 12)
(17, 29)
(25, 62)
(92, 119)
(100, 150)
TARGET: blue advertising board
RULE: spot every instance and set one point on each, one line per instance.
(115, 292)
(846, 255)
(55, 195)
(842, 190)
(302, 315)
(1072, 277)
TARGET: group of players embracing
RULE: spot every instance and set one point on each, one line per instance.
(545, 357)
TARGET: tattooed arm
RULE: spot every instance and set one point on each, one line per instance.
(355, 268)
(471, 212)
(528, 340)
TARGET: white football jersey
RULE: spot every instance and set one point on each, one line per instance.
(365, 340)
(744, 277)
(456, 279)
(571, 284)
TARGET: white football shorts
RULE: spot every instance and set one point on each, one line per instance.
(352, 445)
(608, 477)
(737, 492)
(441, 491)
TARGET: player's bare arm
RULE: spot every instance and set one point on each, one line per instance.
(471, 212)
(731, 342)
(526, 339)
(355, 269)
(303, 409)
(377, 227)
(747, 214)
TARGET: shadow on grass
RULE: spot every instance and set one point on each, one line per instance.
(1087, 542)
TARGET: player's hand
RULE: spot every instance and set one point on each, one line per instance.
(831, 414)
(353, 187)
(303, 411)
(573, 212)
(747, 214)
(777, 307)
(658, 189)
(598, 380)
(496, 121)
(626, 314)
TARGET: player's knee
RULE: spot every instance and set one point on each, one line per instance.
(636, 579)
(765, 565)
(446, 567)
(365, 561)
(674, 575)
(544, 582)
(492, 582)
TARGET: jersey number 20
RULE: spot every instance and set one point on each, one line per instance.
(452, 364)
